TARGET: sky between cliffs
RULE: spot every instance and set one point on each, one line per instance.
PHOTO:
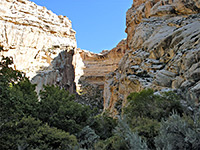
(99, 24)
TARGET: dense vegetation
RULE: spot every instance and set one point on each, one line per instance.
(57, 122)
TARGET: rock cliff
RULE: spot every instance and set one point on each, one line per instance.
(41, 43)
(163, 50)
(91, 68)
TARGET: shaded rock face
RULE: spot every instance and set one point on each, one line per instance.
(163, 50)
(60, 73)
(41, 43)
(91, 68)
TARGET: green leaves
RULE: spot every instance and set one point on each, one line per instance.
(145, 110)
(103, 125)
(178, 133)
(58, 108)
(148, 104)
(87, 138)
(29, 133)
(17, 95)
(131, 140)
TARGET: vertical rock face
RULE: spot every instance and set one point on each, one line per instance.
(163, 50)
(92, 68)
(41, 43)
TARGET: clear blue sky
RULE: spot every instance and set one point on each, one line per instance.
(99, 24)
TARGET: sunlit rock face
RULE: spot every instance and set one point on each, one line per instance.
(40, 42)
(91, 68)
(163, 50)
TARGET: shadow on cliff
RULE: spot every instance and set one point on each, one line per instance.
(60, 72)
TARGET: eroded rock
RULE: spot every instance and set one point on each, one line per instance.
(41, 43)
(163, 46)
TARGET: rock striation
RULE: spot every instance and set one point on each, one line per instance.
(41, 43)
(91, 68)
(163, 50)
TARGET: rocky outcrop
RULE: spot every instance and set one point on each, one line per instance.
(163, 40)
(41, 43)
(91, 68)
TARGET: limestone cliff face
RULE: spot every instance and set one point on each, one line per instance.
(41, 43)
(163, 40)
(91, 68)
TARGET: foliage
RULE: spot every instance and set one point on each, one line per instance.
(17, 95)
(147, 128)
(145, 110)
(29, 133)
(123, 139)
(87, 138)
(8, 76)
(110, 144)
(103, 125)
(58, 109)
(130, 140)
(179, 133)
(148, 104)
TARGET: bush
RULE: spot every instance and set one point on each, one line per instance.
(87, 138)
(103, 125)
(147, 104)
(145, 110)
(112, 143)
(129, 139)
(179, 133)
(123, 139)
(58, 109)
(17, 95)
(29, 133)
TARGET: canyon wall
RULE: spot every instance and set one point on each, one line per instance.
(43, 46)
(91, 68)
(163, 51)
(41, 43)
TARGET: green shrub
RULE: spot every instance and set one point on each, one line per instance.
(29, 133)
(147, 104)
(103, 125)
(17, 95)
(128, 138)
(123, 139)
(147, 129)
(87, 138)
(112, 143)
(178, 133)
(58, 108)
(145, 110)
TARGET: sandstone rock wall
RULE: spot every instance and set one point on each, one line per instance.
(91, 68)
(163, 40)
(40, 42)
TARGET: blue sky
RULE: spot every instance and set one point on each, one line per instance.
(99, 24)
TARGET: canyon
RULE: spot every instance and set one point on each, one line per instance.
(161, 51)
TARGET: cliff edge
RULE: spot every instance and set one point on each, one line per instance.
(41, 43)
(163, 51)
